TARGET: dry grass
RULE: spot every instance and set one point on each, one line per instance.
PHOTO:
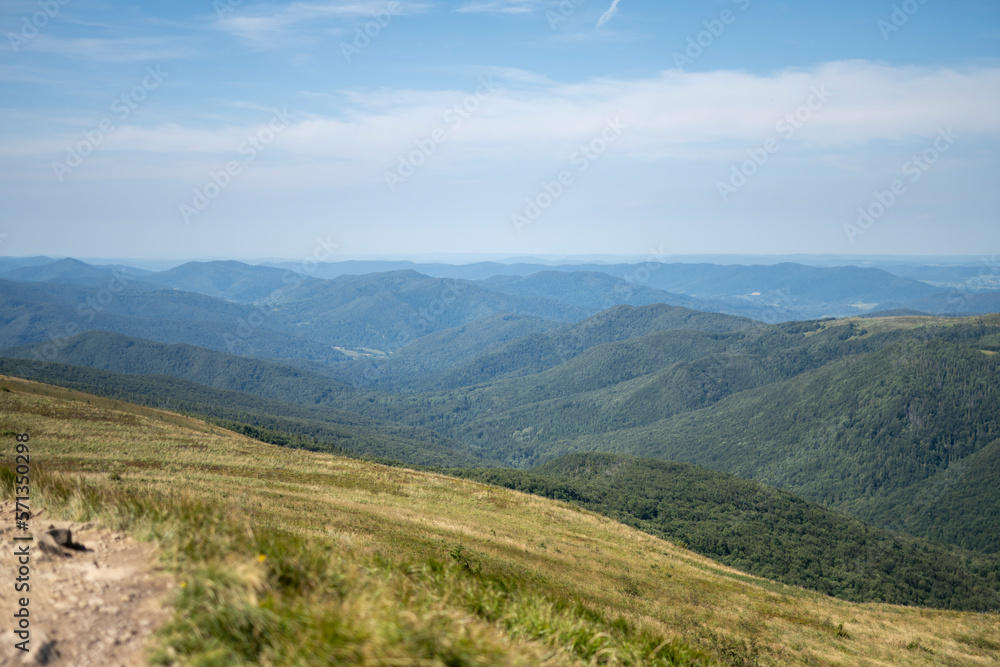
(554, 549)
(874, 325)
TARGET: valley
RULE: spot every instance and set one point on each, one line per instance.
(851, 457)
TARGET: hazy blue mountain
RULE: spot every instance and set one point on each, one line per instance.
(394, 305)
(39, 312)
(473, 271)
(9, 263)
(588, 289)
(233, 281)
(793, 282)
(381, 311)
(777, 292)
(69, 271)
(981, 273)
(386, 311)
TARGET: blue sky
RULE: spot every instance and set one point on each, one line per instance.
(244, 129)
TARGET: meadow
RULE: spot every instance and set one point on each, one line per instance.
(293, 557)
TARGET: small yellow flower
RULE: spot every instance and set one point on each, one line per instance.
(183, 584)
(261, 558)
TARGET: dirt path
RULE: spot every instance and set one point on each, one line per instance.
(95, 605)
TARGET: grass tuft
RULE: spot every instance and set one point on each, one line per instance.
(979, 641)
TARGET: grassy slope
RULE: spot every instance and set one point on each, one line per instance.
(381, 531)
(763, 531)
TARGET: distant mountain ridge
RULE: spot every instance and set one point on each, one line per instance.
(783, 291)
(231, 281)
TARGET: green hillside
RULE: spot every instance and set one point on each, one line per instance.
(418, 364)
(763, 531)
(643, 379)
(850, 434)
(538, 352)
(956, 505)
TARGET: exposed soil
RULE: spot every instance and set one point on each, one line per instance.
(95, 603)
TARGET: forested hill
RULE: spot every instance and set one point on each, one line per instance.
(872, 435)
(125, 354)
(540, 351)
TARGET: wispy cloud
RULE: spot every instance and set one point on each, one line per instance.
(608, 15)
(131, 49)
(503, 6)
(279, 25)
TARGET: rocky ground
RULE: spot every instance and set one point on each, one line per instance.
(96, 596)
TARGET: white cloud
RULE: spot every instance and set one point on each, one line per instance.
(670, 115)
(608, 15)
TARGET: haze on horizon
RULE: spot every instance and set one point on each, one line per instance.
(502, 128)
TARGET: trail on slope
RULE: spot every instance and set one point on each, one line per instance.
(96, 603)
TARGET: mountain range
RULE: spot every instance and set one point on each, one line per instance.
(843, 431)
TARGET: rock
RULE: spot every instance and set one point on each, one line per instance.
(62, 536)
(47, 545)
(46, 653)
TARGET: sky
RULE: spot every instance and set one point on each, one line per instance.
(239, 129)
